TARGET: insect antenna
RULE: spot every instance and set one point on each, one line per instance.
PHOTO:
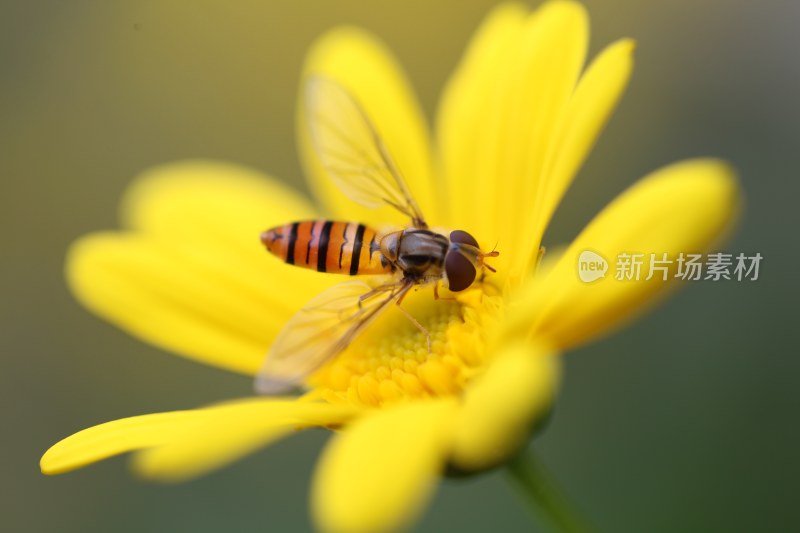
(483, 255)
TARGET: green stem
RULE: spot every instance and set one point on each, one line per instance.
(537, 486)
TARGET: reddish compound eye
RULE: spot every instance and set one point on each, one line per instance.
(460, 271)
(462, 237)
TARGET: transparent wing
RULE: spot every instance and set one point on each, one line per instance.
(322, 329)
(351, 150)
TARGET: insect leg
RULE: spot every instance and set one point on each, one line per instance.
(374, 292)
(417, 324)
(436, 294)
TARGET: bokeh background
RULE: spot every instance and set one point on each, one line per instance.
(687, 421)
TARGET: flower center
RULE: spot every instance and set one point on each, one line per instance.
(390, 361)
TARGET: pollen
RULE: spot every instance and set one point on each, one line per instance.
(390, 362)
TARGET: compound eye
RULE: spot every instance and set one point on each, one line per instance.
(462, 237)
(460, 271)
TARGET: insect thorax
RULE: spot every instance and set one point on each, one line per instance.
(417, 252)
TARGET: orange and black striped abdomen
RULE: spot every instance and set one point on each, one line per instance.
(328, 246)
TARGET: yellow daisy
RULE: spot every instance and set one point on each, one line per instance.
(517, 119)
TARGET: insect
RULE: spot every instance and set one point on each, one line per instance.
(355, 157)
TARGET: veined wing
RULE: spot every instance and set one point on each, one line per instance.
(352, 151)
(323, 329)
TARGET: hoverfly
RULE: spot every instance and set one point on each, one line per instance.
(361, 166)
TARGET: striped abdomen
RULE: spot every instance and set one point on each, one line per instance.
(328, 246)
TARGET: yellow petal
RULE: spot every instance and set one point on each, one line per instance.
(113, 438)
(183, 444)
(194, 278)
(686, 207)
(499, 115)
(211, 202)
(463, 114)
(361, 64)
(501, 407)
(231, 431)
(377, 475)
(596, 96)
(193, 301)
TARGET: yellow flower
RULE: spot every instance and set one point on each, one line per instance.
(516, 121)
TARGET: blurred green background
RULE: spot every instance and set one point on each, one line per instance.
(686, 421)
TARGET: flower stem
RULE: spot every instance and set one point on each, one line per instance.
(538, 488)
